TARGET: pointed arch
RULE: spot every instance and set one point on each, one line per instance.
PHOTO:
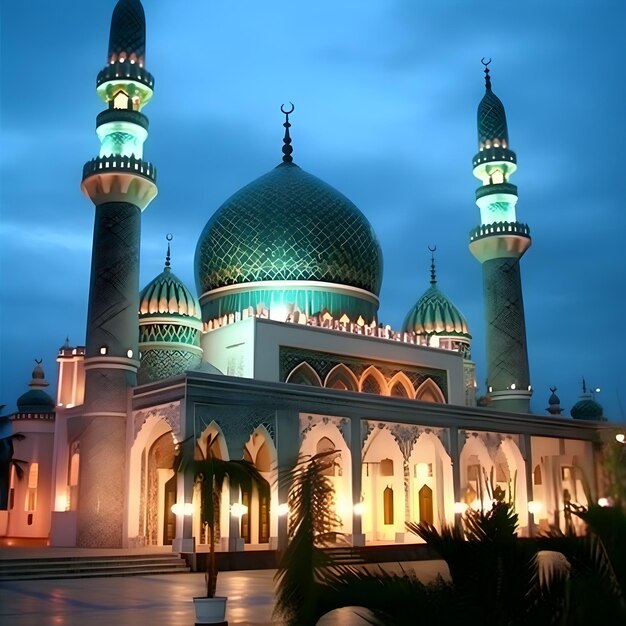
(220, 449)
(429, 391)
(304, 374)
(372, 381)
(400, 386)
(341, 377)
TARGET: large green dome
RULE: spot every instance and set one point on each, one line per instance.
(289, 239)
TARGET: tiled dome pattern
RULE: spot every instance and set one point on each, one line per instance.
(167, 294)
(288, 225)
(435, 314)
(491, 119)
(128, 29)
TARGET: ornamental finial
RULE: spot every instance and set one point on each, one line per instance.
(487, 77)
(169, 238)
(433, 275)
(287, 149)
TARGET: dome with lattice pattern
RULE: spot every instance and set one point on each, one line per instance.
(289, 239)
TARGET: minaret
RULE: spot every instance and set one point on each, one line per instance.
(499, 243)
(121, 185)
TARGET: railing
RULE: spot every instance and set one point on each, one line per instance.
(494, 154)
(499, 228)
(117, 163)
(120, 71)
(122, 115)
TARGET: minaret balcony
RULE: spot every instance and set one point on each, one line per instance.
(499, 239)
(125, 71)
(122, 115)
(119, 179)
(117, 163)
(500, 228)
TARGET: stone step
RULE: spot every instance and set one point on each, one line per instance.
(90, 567)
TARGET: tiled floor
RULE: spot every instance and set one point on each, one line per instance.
(136, 600)
(154, 600)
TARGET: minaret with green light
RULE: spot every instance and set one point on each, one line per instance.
(499, 243)
(121, 185)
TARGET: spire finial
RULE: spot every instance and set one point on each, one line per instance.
(169, 238)
(584, 386)
(487, 77)
(433, 275)
(287, 149)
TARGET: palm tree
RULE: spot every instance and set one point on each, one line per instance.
(209, 474)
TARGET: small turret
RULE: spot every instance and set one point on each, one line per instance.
(554, 403)
(587, 408)
(36, 400)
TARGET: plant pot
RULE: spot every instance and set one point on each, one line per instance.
(210, 610)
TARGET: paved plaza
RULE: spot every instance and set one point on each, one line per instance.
(164, 600)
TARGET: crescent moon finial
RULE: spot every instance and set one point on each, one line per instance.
(487, 77)
(169, 238)
(287, 148)
(433, 276)
(39, 361)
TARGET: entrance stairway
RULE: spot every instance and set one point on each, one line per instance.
(91, 566)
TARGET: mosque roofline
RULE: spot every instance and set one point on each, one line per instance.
(201, 387)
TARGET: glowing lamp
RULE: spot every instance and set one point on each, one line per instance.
(603, 502)
(513, 385)
(182, 508)
(129, 354)
(103, 350)
(358, 508)
(283, 509)
(621, 437)
(534, 507)
(238, 510)
(460, 508)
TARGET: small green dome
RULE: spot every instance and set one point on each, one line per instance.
(435, 314)
(292, 227)
(35, 401)
(587, 409)
(168, 295)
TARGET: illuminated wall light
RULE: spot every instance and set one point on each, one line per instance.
(103, 350)
(358, 508)
(490, 389)
(513, 386)
(129, 354)
(460, 508)
(603, 502)
(181, 508)
(620, 437)
(534, 507)
(238, 510)
(283, 509)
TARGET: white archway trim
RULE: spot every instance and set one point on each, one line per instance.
(402, 379)
(307, 372)
(375, 373)
(343, 374)
(430, 388)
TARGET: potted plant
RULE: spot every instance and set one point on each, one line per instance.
(209, 473)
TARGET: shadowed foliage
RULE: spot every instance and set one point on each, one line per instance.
(210, 473)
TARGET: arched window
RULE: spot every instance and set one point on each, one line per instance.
(388, 505)
(120, 100)
(341, 377)
(537, 475)
(33, 481)
(428, 391)
(326, 445)
(304, 374)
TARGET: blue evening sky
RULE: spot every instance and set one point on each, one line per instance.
(386, 94)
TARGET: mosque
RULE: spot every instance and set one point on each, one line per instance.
(279, 353)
